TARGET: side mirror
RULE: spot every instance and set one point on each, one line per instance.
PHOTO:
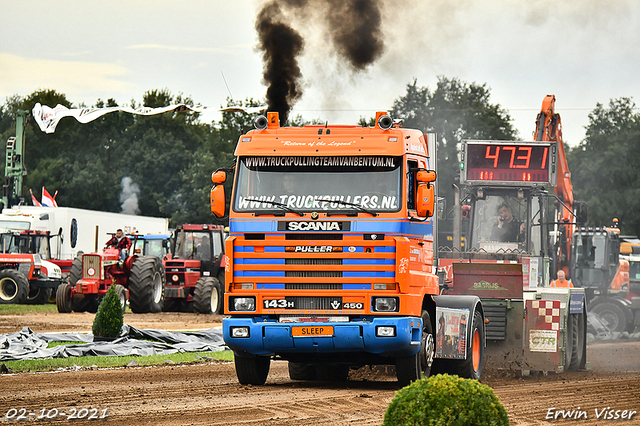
(425, 195)
(426, 176)
(219, 177)
(425, 200)
(218, 200)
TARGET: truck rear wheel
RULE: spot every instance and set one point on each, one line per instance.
(415, 367)
(38, 296)
(14, 286)
(252, 370)
(63, 298)
(471, 367)
(146, 285)
(206, 296)
(332, 372)
(302, 371)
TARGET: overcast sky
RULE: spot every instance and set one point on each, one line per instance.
(584, 52)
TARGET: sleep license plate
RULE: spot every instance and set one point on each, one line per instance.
(312, 331)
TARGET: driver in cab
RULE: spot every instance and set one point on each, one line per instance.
(506, 229)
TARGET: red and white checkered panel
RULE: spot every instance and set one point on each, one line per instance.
(547, 313)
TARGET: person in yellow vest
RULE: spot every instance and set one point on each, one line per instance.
(561, 281)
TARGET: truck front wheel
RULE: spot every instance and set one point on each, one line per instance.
(14, 286)
(252, 370)
(415, 367)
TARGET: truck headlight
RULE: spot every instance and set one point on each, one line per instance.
(385, 304)
(239, 332)
(243, 303)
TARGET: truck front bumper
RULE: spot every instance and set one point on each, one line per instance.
(267, 337)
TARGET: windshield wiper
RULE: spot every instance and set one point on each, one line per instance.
(277, 204)
(357, 207)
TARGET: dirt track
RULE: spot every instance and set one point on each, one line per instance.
(210, 394)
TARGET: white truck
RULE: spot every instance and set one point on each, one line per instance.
(71, 230)
(78, 229)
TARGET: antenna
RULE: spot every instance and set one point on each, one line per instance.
(225, 83)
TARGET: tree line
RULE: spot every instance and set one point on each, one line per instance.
(170, 157)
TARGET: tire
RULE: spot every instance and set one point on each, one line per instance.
(146, 285)
(14, 286)
(575, 341)
(75, 273)
(252, 370)
(63, 298)
(614, 316)
(206, 296)
(301, 371)
(470, 368)
(38, 296)
(122, 295)
(415, 367)
(332, 372)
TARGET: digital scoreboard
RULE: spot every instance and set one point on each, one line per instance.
(508, 162)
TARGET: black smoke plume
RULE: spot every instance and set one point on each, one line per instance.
(281, 46)
(355, 27)
(356, 31)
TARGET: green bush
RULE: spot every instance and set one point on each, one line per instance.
(109, 319)
(445, 400)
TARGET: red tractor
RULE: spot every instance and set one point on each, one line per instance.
(91, 275)
(195, 269)
(27, 274)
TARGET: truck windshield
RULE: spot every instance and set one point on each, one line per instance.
(317, 183)
(503, 223)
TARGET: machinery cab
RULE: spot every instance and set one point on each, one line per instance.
(201, 243)
(507, 222)
(596, 264)
(158, 245)
(26, 242)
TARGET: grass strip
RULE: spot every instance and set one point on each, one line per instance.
(115, 361)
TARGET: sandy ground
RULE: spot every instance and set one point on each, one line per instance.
(209, 394)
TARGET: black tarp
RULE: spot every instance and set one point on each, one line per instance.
(26, 344)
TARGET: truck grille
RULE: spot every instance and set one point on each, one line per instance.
(90, 262)
(317, 303)
(307, 274)
(314, 262)
(312, 286)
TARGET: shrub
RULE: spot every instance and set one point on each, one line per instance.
(445, 400)
(109, 319)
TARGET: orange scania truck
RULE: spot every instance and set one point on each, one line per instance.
(330, 256)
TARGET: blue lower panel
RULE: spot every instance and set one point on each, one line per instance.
(270, 337)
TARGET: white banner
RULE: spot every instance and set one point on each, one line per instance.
(48, 118)
(543, 340)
